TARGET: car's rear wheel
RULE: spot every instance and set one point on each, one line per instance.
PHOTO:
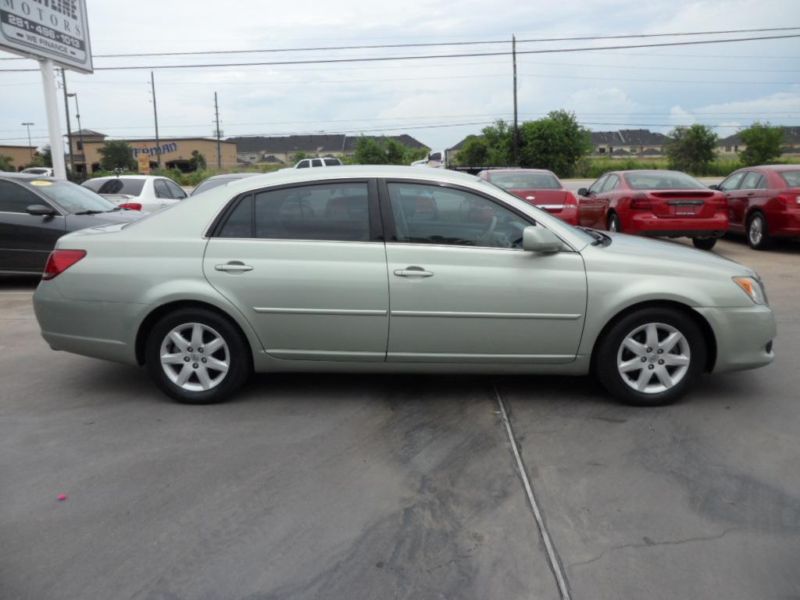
(614, 224)
(197, 356)
(651, 357)
(704, 243)
(757, 233)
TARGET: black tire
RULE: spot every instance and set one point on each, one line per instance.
(237, 355)
(704, 243)
(762, 242)
(609, 349)
(614, 224)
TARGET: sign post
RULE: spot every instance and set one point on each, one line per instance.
(52, 33)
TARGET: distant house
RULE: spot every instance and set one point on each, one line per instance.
(255, 149)
(628, 142)
(733, 144)
(20, 155)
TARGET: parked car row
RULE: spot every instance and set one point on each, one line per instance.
(761, 202)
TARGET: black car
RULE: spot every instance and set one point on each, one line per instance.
(36, 211)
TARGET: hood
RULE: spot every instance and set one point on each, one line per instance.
(665, 257)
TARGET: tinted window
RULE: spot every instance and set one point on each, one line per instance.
(93, 184)
(663, 180)
(331, 211)
(161, 189)
(732, 182)
(437, 215)
(175, 189)
(303, 164)
(213, 182)
(792, 178)
(317, 162)
(122, 185)
(15, 198)
(522, 180)
(751, 181)
(240, 221)
(598, 185)
(332, 162)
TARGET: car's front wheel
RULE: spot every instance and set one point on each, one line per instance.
(651, 357)
(704, 243)
(197, 356)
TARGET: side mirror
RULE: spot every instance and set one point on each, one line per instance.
(583, 191)
(541, 240)
(40, 210)
(714, 187)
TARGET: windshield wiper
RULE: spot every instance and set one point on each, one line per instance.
(599, 238)
(88, 212)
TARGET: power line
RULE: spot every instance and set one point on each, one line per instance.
(425, 57)
(437, 44)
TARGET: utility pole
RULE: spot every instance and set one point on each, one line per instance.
(69, 127)
(516, 127)
(155, 118)
(216, 115)
(27, 125)
(80, 134)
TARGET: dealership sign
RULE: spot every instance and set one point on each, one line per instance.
(155, 150)
(57, 30)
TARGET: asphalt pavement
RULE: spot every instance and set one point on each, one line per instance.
(309, 486)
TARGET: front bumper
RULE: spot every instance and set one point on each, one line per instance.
(744, 336)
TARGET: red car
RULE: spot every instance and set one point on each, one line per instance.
(538, 187)
(655, 203)
(764, 203)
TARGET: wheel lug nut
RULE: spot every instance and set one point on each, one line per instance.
(200, 349)
(649, 349)
(661, 361)
(661, 351)
(189, 349)
(194, 366)
(204, 359)
(186, 359)
(644, 359)
(651, 367)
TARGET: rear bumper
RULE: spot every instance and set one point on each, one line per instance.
(96, 329)
(648, 224)
(743, 335)
(692, 233)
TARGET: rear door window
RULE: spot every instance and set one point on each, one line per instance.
(751, 181)
(317, 162)
(122, 185)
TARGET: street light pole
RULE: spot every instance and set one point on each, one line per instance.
(69, 126)
(216, 114)
(27, 125)
(80, 132)
(155, 117)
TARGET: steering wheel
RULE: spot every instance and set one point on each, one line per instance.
(485, 236)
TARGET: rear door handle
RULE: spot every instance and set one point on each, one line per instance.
(413, 271)
(234, 266)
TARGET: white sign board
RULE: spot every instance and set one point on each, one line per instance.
(47, 29)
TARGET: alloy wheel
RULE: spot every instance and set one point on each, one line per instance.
(653, 358)
(756, 230)
(195, 357)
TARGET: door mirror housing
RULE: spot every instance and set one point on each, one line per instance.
(583, 191)
(541, 240)
(40, 210)
(714, 187)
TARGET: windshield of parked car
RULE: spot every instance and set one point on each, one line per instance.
(792, 178)
(122, 185)
(214, 182)
(525, 180)
(71, 197)
(663, 180)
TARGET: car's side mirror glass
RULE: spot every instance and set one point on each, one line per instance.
(583, 192)
(715, 186)
(541, 240)
(40, 210)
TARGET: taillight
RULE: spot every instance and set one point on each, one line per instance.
(570, 199)
(641, 202)
(130, 206)
(61, 260)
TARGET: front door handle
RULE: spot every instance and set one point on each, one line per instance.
(234, 266)
(413, 271)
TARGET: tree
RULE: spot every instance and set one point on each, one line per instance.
(5, 163)
(198, 161)
(116, 154)
(298, 156)
(474, 152)
(763, 144)
(384, 151)
(691, 148)
(557, 142)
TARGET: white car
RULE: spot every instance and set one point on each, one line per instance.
(43, 171)
(328, 161)
(138, 192)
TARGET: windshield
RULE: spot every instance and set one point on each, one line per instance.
(122, 185)
(525, 180)
(792, 178)
(71, 197)
(663, 180)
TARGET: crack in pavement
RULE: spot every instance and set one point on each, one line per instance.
(649, 543)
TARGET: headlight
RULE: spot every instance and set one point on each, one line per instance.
(753, 288)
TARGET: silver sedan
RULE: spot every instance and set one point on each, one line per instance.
(395, 269)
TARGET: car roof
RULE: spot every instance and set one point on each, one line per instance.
(25, 176)
(231, 176)
(124, 176)
(518, 170)
(290, 175)
(775, 167)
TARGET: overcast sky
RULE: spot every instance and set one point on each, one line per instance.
(728, 85)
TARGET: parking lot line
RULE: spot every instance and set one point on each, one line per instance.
(552, 556)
